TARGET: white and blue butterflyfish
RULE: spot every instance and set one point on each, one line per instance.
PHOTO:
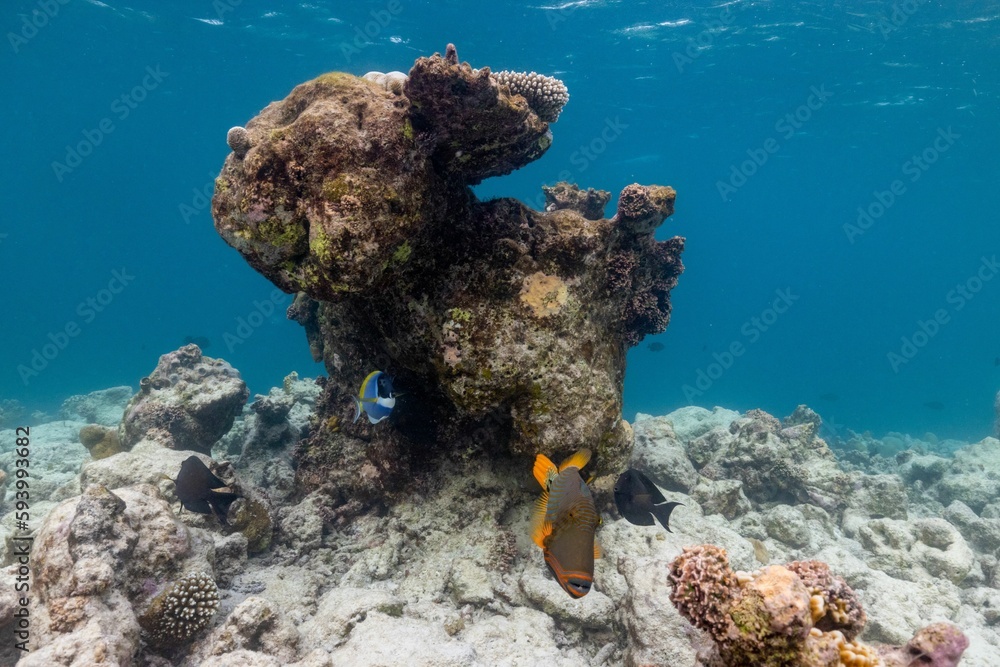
(376, 399)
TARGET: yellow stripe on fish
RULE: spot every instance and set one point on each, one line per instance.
(564, 521)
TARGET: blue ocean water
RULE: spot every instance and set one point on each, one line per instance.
(835, 166)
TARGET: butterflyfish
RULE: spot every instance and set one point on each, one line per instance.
(376, 399)
(564, 522)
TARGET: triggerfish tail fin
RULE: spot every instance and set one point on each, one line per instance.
(544, 470)
(578, 460)
(357, 410)
(662, 514)
(540, 528)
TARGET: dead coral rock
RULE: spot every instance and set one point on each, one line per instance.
(589, 203)
(101, 442)
(95, 561)
(193, 398)
(505, 328)
(775, 464)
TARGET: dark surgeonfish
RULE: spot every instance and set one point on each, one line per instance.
(934, 405)
(196, 490)
(655, 347)
(564, 522)
(639, 500)
(376, 398)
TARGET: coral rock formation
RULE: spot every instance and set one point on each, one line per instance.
(100, 442)
(797, 615)
(493, 318)
(193, 398)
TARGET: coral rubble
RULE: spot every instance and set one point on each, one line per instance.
(797, 615)
(194, 399)
(493, 318)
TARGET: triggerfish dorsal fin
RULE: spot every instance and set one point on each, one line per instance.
(540, 528)
(544, 470)
(578, 460)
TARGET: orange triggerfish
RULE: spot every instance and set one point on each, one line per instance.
(564, 522)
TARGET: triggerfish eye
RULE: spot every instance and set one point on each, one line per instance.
(564, 522)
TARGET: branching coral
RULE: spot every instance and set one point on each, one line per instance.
(797, 615)
(546, 95)
(181, 610)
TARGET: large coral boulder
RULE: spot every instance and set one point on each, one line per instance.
(194, 399)
(501, 324)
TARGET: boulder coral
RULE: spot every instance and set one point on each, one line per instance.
(796, 615)
(194, 399)
(493, 318)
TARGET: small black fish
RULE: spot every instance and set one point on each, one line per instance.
(639, 500)
(201, 341)
(195, 484)
(934, 405)
(656, 347)
(829, 397)
(996, 362)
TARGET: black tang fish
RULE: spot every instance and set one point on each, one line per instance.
(196, 490)
(564, 522)
(639, 500)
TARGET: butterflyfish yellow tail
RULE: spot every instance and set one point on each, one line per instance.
(540, 528)
(544, 470)
(578, 460)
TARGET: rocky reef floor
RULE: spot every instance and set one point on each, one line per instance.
(448, 577)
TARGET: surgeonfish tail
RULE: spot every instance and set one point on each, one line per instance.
(544, 470)
(357, 410)
(578, 460)
(662, 514)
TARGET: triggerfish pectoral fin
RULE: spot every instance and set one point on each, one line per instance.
(544, 470)
(540, 528)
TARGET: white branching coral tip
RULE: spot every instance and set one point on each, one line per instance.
(546, 95)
